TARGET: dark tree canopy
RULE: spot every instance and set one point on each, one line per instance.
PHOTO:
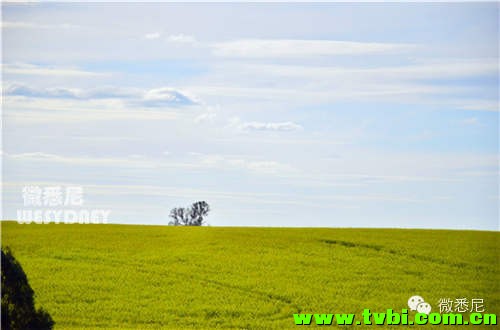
(198, 211)
(180, 216)
(190, 216)
(18, 305)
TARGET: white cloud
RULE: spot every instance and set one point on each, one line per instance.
(419, 82)
(442, 69)
(473, 121)
(196, 161)
(32, 69)
(23, 90)
(32, 25)
(155, 97)
(277, 126)
(167, 96)
(182, 39)
(62, 110)
(268, 167)
(130, 161)
(153, 35)
(252, 165)
(104, 92)
(480, 105)
(205, 117)
(21, 2)
(286, 126)
(283, 48)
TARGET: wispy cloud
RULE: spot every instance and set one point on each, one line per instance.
(195, 161)
(271, 126)
(70, 93)
(173, 38)
(68, 110)
(472, 121)
(480, 105)
(205, 117)
(37, 157)
(418, 82)
(156, 97)
(235, 162)
(182, 39)
(152, 35)
(33, 25)
(283, 48)
(442, 69)
(23, 90)
(39, 70)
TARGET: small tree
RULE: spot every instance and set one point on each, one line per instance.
(189, 216)
(198, 211)
(180, 216)
(18, 306)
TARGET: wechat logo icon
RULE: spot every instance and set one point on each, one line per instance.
(417, 303)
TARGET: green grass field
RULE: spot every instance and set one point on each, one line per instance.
(116, 276)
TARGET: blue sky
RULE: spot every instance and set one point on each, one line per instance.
(331, 114)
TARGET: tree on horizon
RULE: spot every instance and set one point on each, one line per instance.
(190, 216)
